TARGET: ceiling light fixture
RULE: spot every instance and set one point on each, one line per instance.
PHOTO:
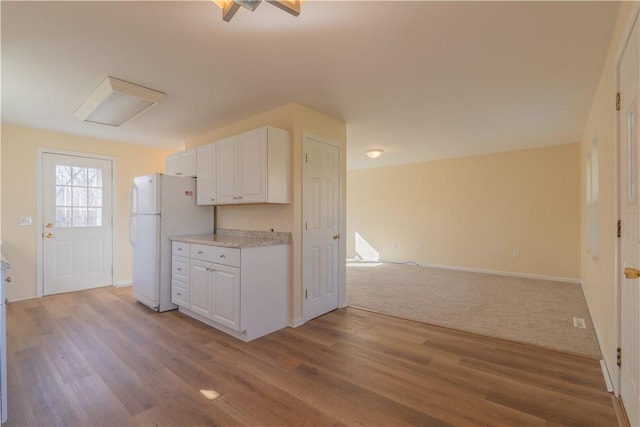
(374, 153)
(230, 7)
(116, 101)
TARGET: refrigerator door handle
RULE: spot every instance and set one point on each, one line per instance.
(132, 213)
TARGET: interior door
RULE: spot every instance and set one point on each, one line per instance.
(628, 74)
(321, 228)
(77, 223)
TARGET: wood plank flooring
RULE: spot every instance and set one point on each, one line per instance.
(99, 358)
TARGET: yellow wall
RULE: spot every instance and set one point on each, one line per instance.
(19, 147)
(599, 275)
(473, 212)
(296, 119)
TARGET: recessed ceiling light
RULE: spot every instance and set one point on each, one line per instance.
(374, 153)
(116, 101)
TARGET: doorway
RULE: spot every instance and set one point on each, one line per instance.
(75, 213)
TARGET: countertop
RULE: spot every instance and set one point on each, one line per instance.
(238, 238)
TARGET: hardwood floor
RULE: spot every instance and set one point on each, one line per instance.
(98, 358)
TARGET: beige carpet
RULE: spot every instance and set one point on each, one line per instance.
(532, 311)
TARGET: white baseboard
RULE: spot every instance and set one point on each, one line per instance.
(122, 283)
(573, 280)
(607, 371)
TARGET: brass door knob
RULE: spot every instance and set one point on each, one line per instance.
(631, 273)
(336, 236)
(49, 225)
(48, 235)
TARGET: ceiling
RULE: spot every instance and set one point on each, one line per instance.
(422, 80)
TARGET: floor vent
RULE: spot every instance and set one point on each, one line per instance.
(578, 322)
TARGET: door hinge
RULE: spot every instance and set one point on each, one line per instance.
(306, 225)
(619, 358)
(306, 157)
(619, 229)
(618, 101)
(306, 293)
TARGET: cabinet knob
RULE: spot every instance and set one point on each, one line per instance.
(8, 279)
(213, 200)
(179, 294)
(179, 269)
(178, 173)
(223, 256)
(199, 252)
(179, 249)
(235, 198)
(239, 197)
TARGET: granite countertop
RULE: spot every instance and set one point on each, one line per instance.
(238, 238)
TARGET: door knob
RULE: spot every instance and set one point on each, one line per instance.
(48, 235)
(336, 236)
(631, 273)
(49, 225)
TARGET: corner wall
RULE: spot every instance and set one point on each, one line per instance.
(474, 212)
(19, 148)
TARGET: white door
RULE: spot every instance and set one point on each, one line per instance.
(77, 228)
(321, 227)
(628, 73)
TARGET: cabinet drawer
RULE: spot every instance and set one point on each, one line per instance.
(179, 293)
(216, 254)
(180, 268)
(180, 248)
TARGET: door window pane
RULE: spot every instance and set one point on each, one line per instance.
(78, 196)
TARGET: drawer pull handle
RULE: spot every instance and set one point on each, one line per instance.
(223, 256)
(179, 294)
(199, 252)
(179, 269)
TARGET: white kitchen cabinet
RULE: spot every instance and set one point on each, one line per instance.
(240, 291)
(200, 287)
(253, 167)
(206, 174)
(182, 163)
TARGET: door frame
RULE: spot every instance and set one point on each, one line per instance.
(40, 152)
(616, 379)
(342, 217)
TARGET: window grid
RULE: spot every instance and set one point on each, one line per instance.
(78, 196)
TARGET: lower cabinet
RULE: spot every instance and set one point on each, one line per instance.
(242, 292)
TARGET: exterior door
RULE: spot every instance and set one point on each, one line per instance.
(321, 227)
(77, 228)
(628, 74)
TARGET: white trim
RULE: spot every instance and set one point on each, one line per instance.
(496, 272)
(617, 378)
(605, 374)
(122, 283)
(39, 191)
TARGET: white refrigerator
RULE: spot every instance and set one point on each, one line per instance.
(161, 206)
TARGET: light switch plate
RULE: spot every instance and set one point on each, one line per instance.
(26, 220)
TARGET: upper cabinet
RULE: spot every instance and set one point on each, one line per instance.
(182, 163)
(206, 180)
(252, 167)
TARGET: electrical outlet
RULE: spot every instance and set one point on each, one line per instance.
(516, 253)
(277, 224)
(420, 245)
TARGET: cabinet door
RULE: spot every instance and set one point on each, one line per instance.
(225, 299)
(200, 288)
(252, 166)
(171, 164)
(206, 174)
(187, 163)
(227, 170)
